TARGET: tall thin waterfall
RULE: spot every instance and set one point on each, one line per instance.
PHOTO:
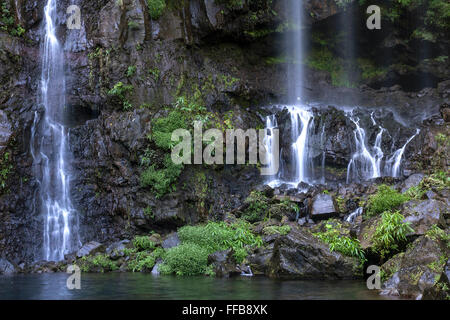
(49, 148)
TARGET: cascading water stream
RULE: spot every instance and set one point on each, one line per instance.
(365, 164)
(49, 148)
(394, 162)
(300, 119)
(269, 143)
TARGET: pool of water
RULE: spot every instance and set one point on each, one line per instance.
(146, 286)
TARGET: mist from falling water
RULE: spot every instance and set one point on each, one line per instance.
(295, 43)
(49, 148)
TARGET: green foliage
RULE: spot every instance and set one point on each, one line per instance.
(121, 91)
(390, 232)
(5, 170)
(187, 259)
(154, 72)
(323, 59)
(438, 14)
(148, 211)
(415, 193)
(341, 243)
(437, 233)
(282, 230)
(423, 34)
(99, 261)
(162, 180)
(131, 71)
(216, 236)
(438, 181)
(231, 4)
(142, 243)
(441, 139)
(163, 127)
(156, 8)
(258, 205)
(133, 25)
(7, 21)
(385, 199)
(369, 70)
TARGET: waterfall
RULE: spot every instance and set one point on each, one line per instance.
(394, 162)
(352, 216)
(300, 119)
(271, 124)
(306, 157)
(365, 164)
(295, 43)
(49, 148)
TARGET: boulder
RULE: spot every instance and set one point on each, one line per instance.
(171, 241)
(223, 263)
(6, 267)
(259, 260)
(90, 248)
(412, 181)
(418, 270)
(323, 207)
(115, 250)
(301, 255)
(423, 214)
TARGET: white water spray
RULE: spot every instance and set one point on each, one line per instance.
(49, 148)
(394, 162)
(300, 119)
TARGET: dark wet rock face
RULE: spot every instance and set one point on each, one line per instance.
(6, 267)
(424, 214)
(416, 272)
(90, 248)
(232, 57)
(300, 255)
(323, 207)
(224, 263)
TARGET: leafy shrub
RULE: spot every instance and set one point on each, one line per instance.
(257, 208)
(215, 236)
(142, 243)
(156, 8)
(163, 127)
(102, 261)
(162, 180)
(438, 180)
(385, 199)
(121, 91)
(191, 257)
(187, 259)
(340, 243)
(131, 71)
(390, 232)
(282, 230)
(437, 233)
